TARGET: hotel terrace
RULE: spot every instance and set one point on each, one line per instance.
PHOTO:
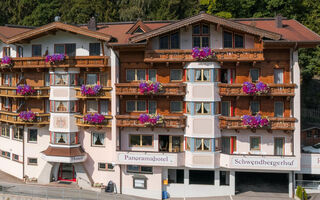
(192, 107)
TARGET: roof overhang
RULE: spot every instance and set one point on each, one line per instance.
(52, 28)
(290, 44)
(209, 18)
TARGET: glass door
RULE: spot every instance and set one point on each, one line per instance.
(66, 172)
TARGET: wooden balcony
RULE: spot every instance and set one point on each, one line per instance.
(168, 121)
(168, 89)
(41, 119)
(78, 61)
(286, 90)
(41, 92)
(275, 123)
(222, 55)
(105, 124)
(105, 93)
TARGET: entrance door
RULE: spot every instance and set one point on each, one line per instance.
(66, 172)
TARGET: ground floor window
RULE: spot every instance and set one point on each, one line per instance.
(139, 169)
(32, 161)
(224, 178)
(105, 167)
(201, 177)
(175, 175)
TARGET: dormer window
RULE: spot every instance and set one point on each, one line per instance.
(200, 35)
(170, 41)
(138, 30)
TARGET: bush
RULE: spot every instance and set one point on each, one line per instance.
(301, 193)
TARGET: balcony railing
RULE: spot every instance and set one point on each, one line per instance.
(104, 94)
(168, 121)
(13, 118)
(181, 55)
(275, 90)
(41, 92)
(105, 124)
(78, 61)
(275, 123)
(168, 89)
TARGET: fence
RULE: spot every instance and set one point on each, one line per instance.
(308, 184)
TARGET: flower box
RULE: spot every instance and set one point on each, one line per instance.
(255, 89)
(150, 120)
(90, 90)
(55, 58)
(93, 118)
(27, 116)
(25, 90)
(204, 53)
(149, 87)
(6, 61)
(256, 121)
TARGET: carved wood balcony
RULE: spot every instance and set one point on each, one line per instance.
(168, 121)
(105, 93)
(41, 119)
(168, 89)
(105, 124)
(286, 90)
(11, 91)
(77, 61)
(275, 123)
(184, 55)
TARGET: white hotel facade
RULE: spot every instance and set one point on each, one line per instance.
(202, 149)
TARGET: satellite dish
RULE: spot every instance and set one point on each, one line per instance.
(57, 18)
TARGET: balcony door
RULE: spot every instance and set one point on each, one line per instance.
(227, 76)
(66, 172)
(279, 146)
(228, 145)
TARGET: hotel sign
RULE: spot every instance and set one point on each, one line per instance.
(264, 162)
(147, 159)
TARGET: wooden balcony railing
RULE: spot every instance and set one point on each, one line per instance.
(275, 90)
(41, 92)
(105, 124)
(104, 94)
(78, 61)
(168, 89)
(184, 55)
(168, 121)
(41, 119)
(275, 123)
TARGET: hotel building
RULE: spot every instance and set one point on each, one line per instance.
(200, 146)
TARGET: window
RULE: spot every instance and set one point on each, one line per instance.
(36, 50)
(255, 143)
(139, 169)
(94, 49)
(228, 144)
(202, 108)
(47, 79)
(7, 79)
(92, 106)
(152, 105)
(6, 51)
(18, 133)
(175, 176)
(224, 178)
(5, 131)
(201, 177)
(170, 41)
(15, 157)
(279, 146)
(91, 79)
(141, 140)
(32, 161)
(238, 41)
(20, 51)
(47, 105)
(278, 76)
(176, 75)
(200, 35)
(97, 139)
(61, 138)
(254, 107)
(169, 143)
(152, 75)
(138, 30)
(61, 79)
(136, 74)
(202, 144)
(66, 49)
(32, 135)
(176, 106)
(136, 106)
(202, 75)
(105, 167)
(5, 154)
(225, 108)
(278, 109)
(254, 74)
(227, 40)
(309, 133)
(64, 138)
(104, 107)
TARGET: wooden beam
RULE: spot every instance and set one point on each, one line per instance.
(102, 47)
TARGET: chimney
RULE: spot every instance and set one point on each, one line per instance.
(92, 24)
(279, 21)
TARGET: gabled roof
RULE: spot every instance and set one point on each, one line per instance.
(138, 24)
(37, 32)
(210, 18)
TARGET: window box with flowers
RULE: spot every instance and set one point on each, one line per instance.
(254, 122)
(6, 62)
(25, 90)
(203, 54)
(88, 90)
(150, 87)
(27, 116)
(150, 119)
(95, 118)
(255, 89)
(55, 58)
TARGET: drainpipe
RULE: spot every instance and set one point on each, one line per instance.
(23, 154)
